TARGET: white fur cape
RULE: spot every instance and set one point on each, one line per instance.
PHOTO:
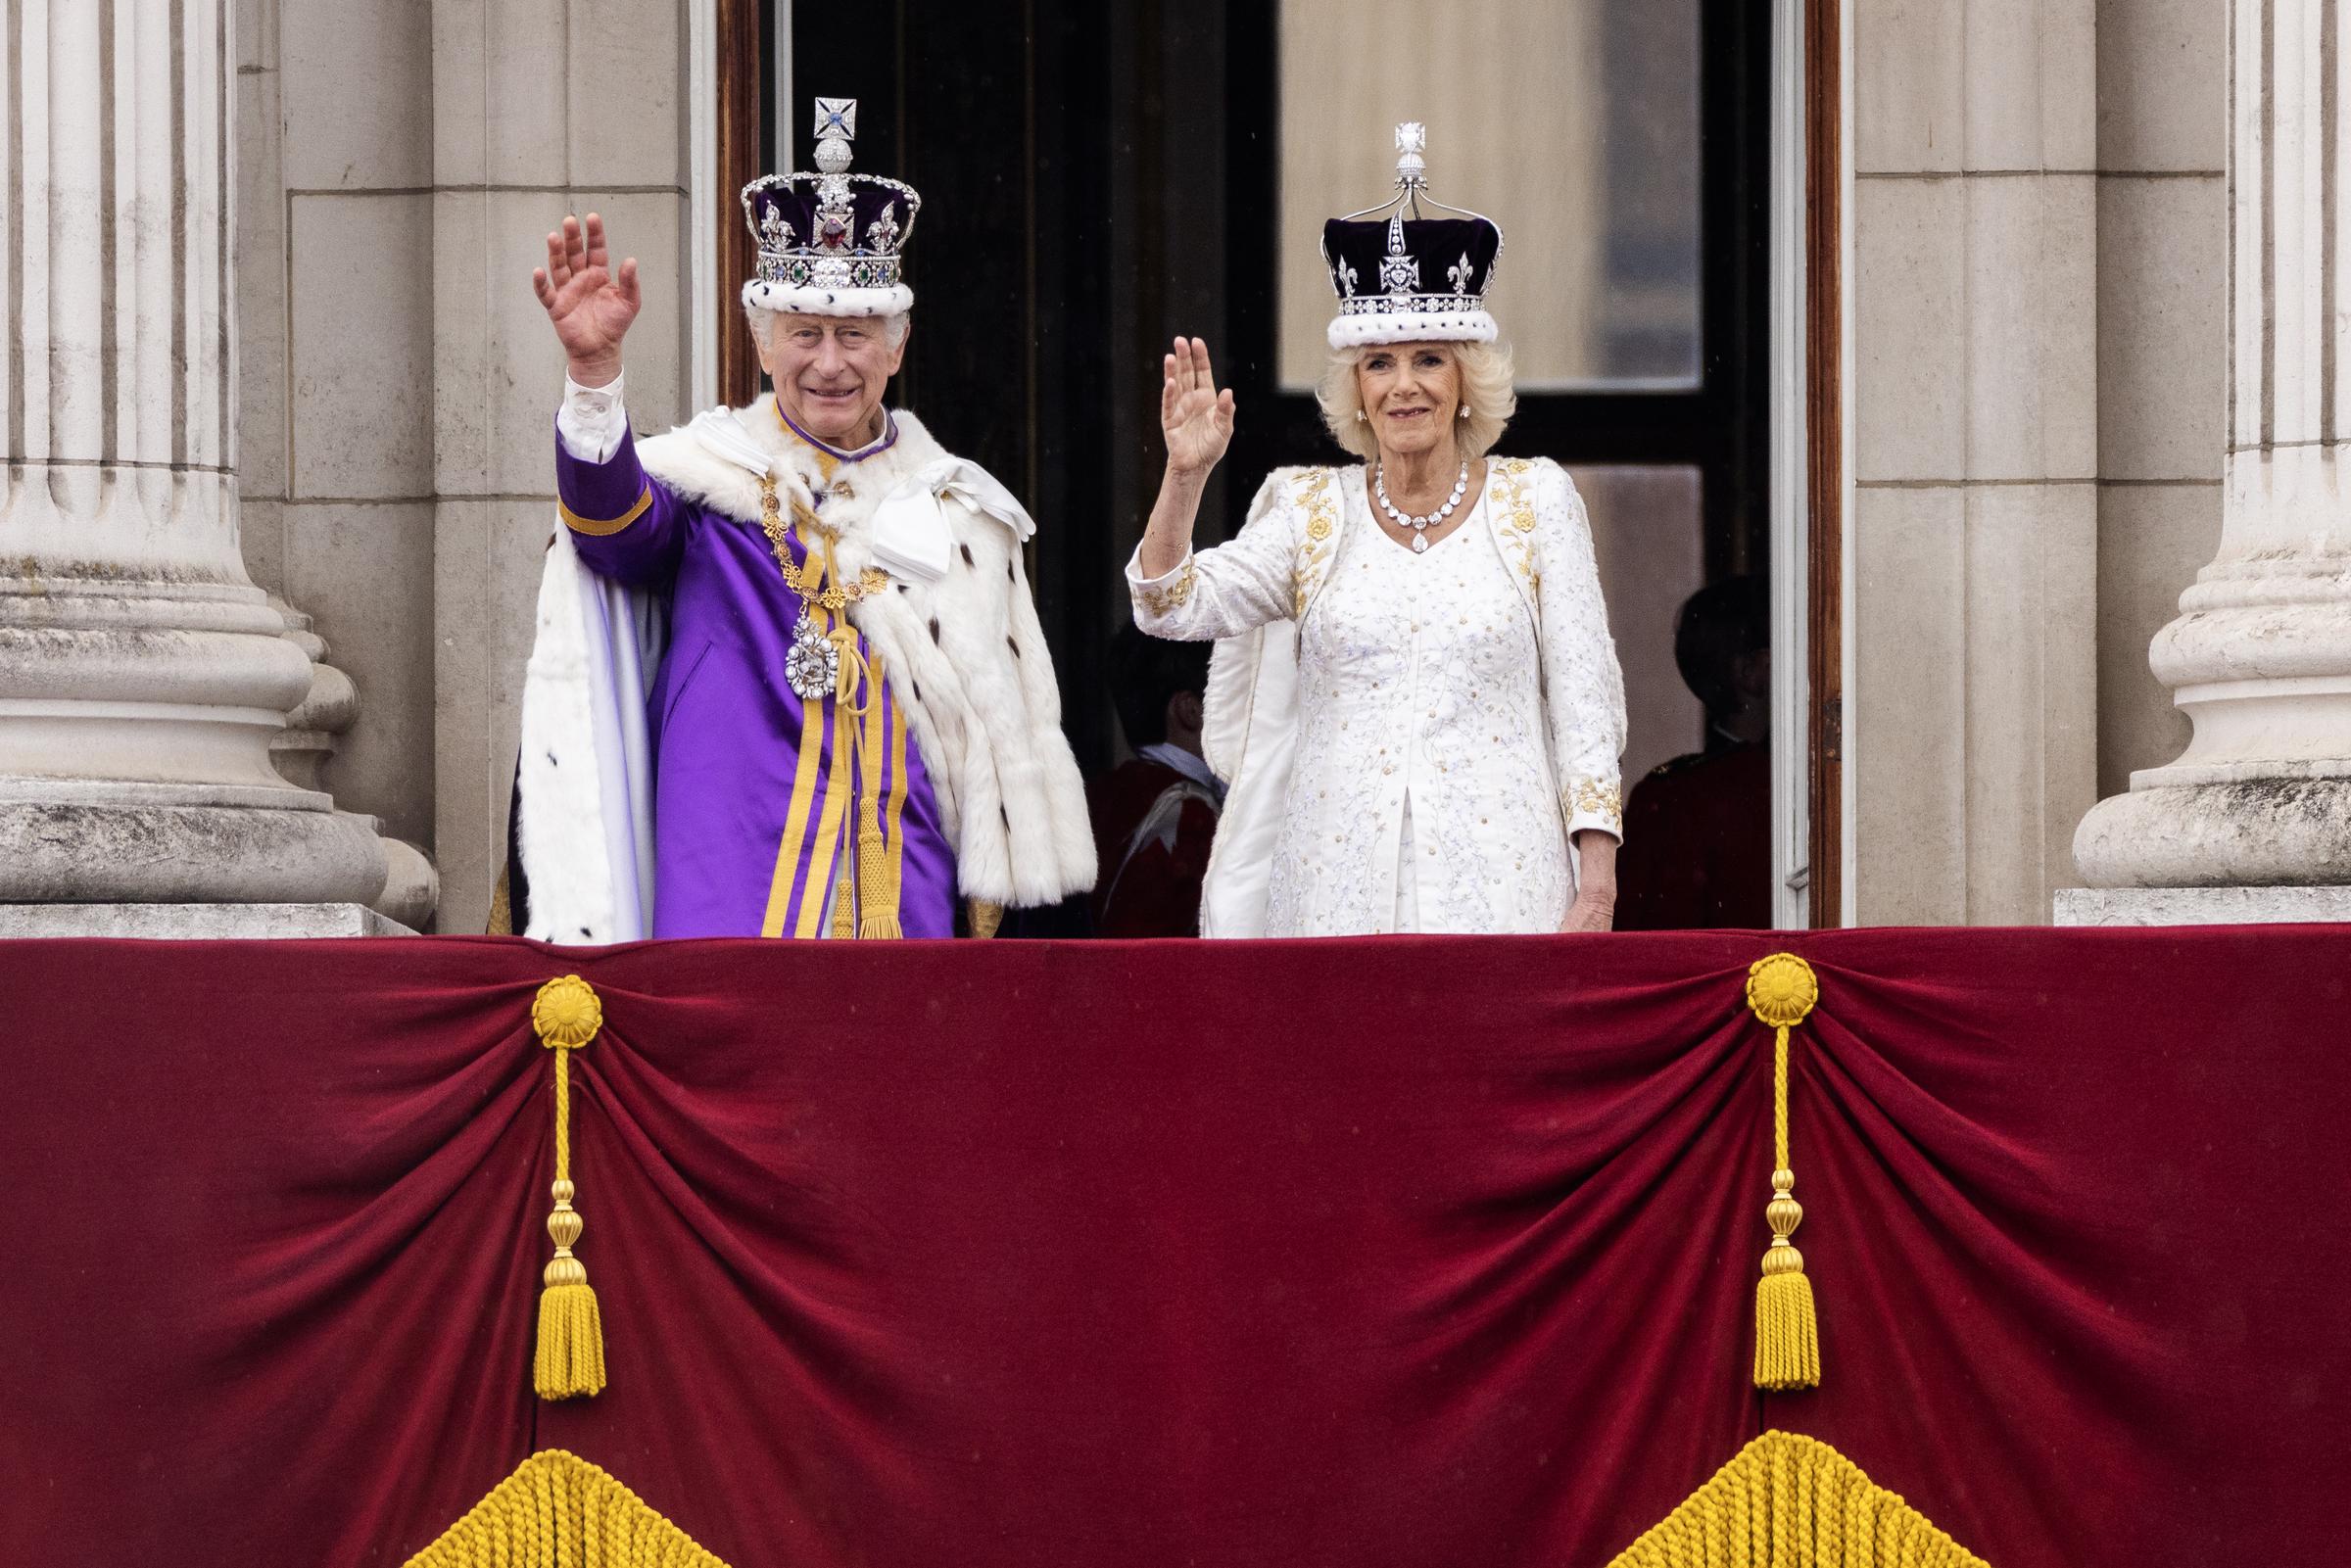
(958, 639)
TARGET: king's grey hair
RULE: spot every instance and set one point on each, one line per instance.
(763, 321)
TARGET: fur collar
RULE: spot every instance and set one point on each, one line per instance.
(691, 466)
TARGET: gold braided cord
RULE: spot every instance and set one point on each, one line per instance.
(563, 1115)
(1791, 1501)
(1781, 991)
(557, 1510)
(1779, 1098)
(818, 583)
(569, 1357)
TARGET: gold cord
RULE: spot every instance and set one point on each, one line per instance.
(570, 1360)
(1781, 991)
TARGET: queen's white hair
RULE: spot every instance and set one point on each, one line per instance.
(1485, 385)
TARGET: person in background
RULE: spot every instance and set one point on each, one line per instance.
(1698, 829)
(1155, 815)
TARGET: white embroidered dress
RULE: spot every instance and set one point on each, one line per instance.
(1412, 739)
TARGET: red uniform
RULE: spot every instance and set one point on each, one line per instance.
(1153, 826)
(1698, 844)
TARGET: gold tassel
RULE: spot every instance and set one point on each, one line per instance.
(1790, 1501)
(557, 1510)
(845, 910)
(879, 910)
(571, 1333)
(1781, 990)
(876, 879)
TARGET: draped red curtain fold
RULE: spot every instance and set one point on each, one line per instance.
(1399, 1252)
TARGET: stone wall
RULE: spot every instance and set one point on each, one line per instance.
(401, 162)
(2038, 231)
(2163, 232)
(2039, 223)
(1975, 546)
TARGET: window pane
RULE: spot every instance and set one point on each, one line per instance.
(1572, 123)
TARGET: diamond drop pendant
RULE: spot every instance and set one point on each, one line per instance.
(812, 665)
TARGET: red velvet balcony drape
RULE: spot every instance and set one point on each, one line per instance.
(1387, 1253)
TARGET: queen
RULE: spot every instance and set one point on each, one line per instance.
(1414, 698)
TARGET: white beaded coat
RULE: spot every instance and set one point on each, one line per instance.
(1410, 740)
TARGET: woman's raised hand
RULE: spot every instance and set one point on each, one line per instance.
(589, 307)
(1195, 416)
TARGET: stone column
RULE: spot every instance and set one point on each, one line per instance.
(2253, 821)
(142, 674)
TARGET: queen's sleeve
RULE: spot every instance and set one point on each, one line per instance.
(1583, 685)
(1231, 589)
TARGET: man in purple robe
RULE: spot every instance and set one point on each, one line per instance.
(787, 679)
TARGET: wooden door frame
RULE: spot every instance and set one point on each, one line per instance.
(741, 159)
(1824, 456)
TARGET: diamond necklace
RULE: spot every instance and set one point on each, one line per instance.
(1419, 525)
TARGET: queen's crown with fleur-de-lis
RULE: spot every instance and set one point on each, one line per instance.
(830, 242)
(1386, 262)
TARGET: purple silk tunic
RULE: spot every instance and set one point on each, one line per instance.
(743, 842)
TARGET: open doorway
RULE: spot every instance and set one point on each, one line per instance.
(1096, 178)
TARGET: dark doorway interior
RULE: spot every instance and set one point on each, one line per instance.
(1096, 178)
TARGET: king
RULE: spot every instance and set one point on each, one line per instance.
(787, 678)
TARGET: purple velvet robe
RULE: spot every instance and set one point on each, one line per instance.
(732, 855)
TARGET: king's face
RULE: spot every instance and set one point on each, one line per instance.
(831, 374)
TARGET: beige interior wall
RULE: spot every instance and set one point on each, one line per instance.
(1491, 79)
(400, 163)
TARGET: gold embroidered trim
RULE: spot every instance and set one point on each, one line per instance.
(1505, 480)
(1322, 521)
(1162, 600)
(1585, 794)
(598, 529)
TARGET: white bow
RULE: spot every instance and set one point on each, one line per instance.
(912, 538)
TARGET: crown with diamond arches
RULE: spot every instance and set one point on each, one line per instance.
(830, 242)
(1402, 277)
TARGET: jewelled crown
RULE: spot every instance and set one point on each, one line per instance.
(1405, 278)
(830, 242)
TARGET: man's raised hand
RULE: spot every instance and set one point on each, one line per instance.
(591, 309)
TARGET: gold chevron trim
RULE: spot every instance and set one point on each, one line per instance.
(1790, 1501)
(560, 1511)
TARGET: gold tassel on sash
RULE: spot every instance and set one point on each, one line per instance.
(878, 859)
(1780, 989)
(571, 1334)
(865, 897)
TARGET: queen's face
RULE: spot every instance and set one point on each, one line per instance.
(1412, 392)
(831, 372)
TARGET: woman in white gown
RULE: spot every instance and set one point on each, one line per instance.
(1416, 700)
